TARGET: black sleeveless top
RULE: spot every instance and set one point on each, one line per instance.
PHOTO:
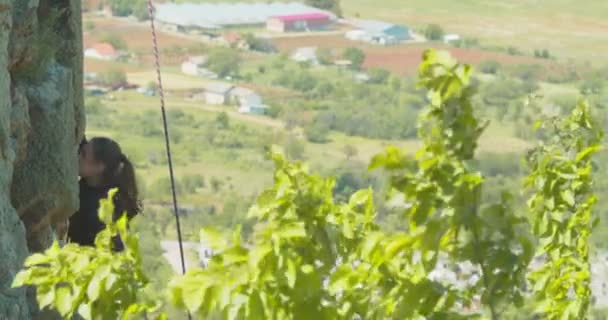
(84, 225)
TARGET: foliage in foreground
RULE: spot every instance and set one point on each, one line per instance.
(313, 257)
(93, 282)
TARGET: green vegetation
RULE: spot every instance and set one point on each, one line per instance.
(315, 249)
(563, 200)
(489, 67)
(325, 56)
(434, 32)
(116, 41)
(224, 62)
(356, 56)
(113, 77)
(330, 5)
(137, 8)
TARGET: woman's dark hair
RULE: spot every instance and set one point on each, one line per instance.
(118, 173)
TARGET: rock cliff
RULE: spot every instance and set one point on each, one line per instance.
(41, 123)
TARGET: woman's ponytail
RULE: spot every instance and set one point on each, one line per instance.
(128, 195)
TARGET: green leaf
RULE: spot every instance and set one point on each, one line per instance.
(292, 230)
(255, 307)
(85, 311)
(213, 238)
(21, 279)
(63, 300)
(45, 297)
(587, 152)
(291, 273)
(568, 196)
(37, 259)
(307, 269)
(194, 295)
(96, 286)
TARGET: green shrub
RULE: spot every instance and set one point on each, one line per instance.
(434, 32)
(489, 66)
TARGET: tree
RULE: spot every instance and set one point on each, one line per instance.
(193, 182)
(216, 184)
(223, 120)
(356, 56)
(257, 44)
(562, 184)
(350, 151)
(115, 40)
(434, 32)
(324, 56)
(317, 132)
(489, 66)
(593, 86)
(140, 10)
(224, 62)
(114, 77)
(123, 8)
(330, 5)
(152, 86)
(294, 148)
(378, 76)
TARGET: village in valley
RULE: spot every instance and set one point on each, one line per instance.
(254, 29)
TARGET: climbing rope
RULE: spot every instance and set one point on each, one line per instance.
(166, 128)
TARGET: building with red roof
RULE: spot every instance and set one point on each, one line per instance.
(102, 50)
(299, 22)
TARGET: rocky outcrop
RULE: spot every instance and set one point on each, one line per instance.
(41, 123)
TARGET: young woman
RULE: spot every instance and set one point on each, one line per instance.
(102, 166)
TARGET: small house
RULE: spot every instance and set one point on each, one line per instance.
(233, 39)
(102, 51)
(362, 77)
(307, 54)
(299, 22)
(217, 93)
(193, 65)
(380, 32)
(451, 38)
(248, 101)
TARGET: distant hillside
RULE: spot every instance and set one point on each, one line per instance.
(568, 28)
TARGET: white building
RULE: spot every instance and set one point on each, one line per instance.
(379, 32)
(306, 54)
(248, 101)
(194, 65)
(217, 93)
(451, 38)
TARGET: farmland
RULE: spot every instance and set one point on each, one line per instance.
(582, 28)
(404, 59)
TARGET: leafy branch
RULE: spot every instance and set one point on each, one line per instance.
(93, 282)
(561, 207)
